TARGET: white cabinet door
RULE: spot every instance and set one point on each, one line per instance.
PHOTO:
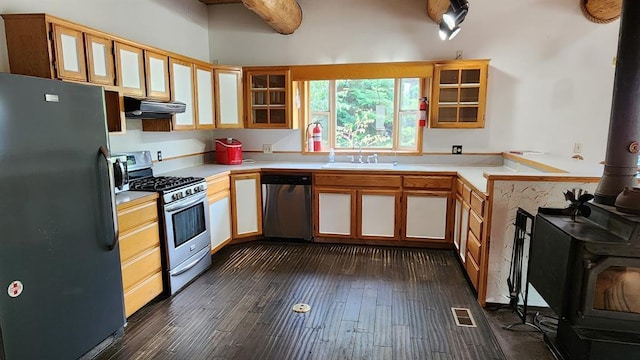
(157, 72)
(456, 226)
(220, 221)
(378, 214)
(426, 216)
(204, 86)
(69, 51)
(182, 90)
(228, 91)
(130, 70)
(248, 208)
(464, 231)
(101, 69)
(335, 213)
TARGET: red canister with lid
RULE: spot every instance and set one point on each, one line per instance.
(228, 151)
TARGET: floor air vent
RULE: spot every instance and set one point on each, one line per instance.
(463, 317)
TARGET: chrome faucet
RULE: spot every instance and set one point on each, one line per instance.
(374, 157)
(360, 154)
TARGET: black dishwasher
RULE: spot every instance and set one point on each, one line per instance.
(286, 206)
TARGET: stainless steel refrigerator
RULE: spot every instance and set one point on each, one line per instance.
(60, 278)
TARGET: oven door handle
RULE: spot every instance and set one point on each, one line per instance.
(183, 204)
(190, 265)
(116, 229)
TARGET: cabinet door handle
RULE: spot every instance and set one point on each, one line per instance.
(116, 230)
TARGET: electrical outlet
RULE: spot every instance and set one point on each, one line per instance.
(577, 148)
(267, 149)
(159, 155)
(458, 54)
(456, 149)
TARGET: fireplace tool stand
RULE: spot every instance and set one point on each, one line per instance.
(519, 272)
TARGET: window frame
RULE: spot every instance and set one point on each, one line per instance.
(424, 83)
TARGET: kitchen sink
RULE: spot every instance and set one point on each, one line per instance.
(363, 166)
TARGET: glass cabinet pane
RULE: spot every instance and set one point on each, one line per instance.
(259, 97)
(469, 95)
(260, 116)
(447, 114)
(449, 77)
(276, 81)
(259, 81)
(278, 116)
(470, 76)
(276, 97)
(448, 95)
(468, 114)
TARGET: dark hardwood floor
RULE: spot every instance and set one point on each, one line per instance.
(366, 303)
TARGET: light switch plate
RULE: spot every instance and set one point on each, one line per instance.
(267, 149)
(456, 149)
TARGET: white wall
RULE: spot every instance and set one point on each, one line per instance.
(550, 82)
(180, 26)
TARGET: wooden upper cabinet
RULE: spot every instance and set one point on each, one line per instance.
(228, 97)
(157, 75)
(182, 90)
(130, 70)
(269, 98)
(100, 65)
(69, 53)
(459, 94)
(204, 97)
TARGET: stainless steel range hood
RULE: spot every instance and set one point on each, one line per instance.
(149, 109)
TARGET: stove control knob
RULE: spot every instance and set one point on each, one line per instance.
(188, 191)
(174, 197)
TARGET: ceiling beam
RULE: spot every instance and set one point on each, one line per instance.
(601, 11)
(436, 8)
(284, 16)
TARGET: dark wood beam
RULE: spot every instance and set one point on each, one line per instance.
(284, 16)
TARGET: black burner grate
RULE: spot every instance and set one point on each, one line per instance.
(162, 183)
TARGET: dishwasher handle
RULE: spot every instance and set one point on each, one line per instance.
(286, 179)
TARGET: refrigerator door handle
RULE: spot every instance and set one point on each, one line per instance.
(116, 229)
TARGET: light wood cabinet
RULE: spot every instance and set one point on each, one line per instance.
(459, 94)
(378, 213)
(335, 212)
(182, 91)
(70, 62)
(425, 216)
(100, 65)
(228, 97)
(246, 205)
(204, 97)
(269, 98)
(219, 196)
(140, 253)
(130, 70)
(157, 75)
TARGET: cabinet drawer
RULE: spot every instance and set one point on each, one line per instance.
(427, 182)
(473, 270)
(131, 218)
(473, 247)
(477, 203)
(378, 181)
(466, 193)
(141, 267)
(138, 241)
(141, 294)
(475, 224)
(217, 184)
(459, 186)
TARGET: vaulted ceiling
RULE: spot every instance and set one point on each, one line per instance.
(285, 16)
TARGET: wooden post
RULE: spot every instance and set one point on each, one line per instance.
(601, 11)
(285, 16)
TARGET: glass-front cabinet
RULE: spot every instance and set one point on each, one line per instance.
(269, 98)
(459, 94)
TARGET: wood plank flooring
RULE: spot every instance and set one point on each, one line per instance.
(366, 303)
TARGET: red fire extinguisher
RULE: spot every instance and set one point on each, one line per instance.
(317, 138)
(424, 108)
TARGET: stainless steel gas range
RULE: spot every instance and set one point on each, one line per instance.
(185, 219)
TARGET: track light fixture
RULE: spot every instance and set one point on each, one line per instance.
(451, 20)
